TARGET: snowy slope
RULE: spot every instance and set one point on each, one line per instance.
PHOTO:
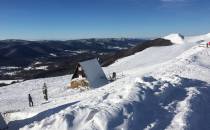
(205, 37)
(148, 59)
(161, 88)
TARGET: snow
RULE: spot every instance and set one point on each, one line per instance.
(182, 109)
(180, 39)
(162, 88)
(79, 51)
(11, 73)
(175, 38)
(117, 47)
(205, 38)
(57, 86)
(41, 67)
(9, 67)
(148, 59)
(28, 68)
(9, 81)
(37, 63)
(52, 54)
(36, 68)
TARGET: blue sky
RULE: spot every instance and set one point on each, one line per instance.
(72, 19)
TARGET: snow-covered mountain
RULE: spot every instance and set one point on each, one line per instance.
(158, 88)
(175, 38)
(180, 39)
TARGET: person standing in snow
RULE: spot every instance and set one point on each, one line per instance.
(114, 76)
(31, 104)
(44, 90)
(207, 45)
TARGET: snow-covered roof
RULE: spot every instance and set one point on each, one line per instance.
(2, 123)
(94, 73)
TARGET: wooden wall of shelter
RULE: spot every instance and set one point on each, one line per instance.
(78, 72)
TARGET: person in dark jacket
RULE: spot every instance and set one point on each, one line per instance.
(208, 44)
(114, 76)
(31, 104)
(44, 90)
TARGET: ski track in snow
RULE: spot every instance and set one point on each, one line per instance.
(167, 90)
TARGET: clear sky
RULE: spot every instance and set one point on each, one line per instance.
(72, 19)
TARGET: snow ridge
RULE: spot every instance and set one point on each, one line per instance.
(175, 38)
(205, 38)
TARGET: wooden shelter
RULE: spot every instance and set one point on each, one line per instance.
(88, 74)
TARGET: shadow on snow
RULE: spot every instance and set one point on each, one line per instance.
(17, 124)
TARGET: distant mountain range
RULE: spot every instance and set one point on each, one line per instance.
(21, 59)
(23, 53)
